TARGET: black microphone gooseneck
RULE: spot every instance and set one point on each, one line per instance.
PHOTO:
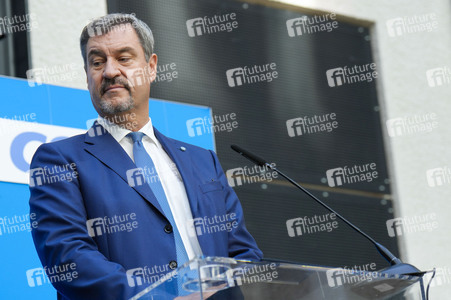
(397, 266)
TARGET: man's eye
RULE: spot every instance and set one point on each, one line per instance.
(96, 63)
(124, 59)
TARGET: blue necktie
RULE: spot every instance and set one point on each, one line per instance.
(143, 160)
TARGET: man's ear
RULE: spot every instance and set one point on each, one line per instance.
(153, 66)
(86, 73)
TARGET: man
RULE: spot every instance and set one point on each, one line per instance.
(129, 192)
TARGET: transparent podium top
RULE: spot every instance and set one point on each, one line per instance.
(226, 278)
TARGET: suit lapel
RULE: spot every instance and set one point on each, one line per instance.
(101, 144)
(182, 158)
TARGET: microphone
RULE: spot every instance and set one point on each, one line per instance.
(254, 158)
(397, 266)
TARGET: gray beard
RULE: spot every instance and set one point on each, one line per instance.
(109, 109)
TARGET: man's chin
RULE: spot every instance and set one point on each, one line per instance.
(115, 105)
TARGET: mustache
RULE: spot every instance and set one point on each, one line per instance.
(113, 81)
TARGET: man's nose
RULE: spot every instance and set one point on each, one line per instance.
(111, 69)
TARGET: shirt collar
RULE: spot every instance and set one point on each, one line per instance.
(119, 132)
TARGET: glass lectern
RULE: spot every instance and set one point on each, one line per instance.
(227, 278)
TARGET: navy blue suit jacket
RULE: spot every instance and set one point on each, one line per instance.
(96, 186)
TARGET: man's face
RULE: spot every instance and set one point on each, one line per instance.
(118, 74)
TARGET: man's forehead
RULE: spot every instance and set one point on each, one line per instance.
(117, 36)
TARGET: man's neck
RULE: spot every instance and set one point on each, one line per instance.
(129, 120)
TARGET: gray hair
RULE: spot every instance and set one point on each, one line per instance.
(105, 24)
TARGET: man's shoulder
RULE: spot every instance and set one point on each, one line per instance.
(66, 145)
(180, 144)
(58, 151)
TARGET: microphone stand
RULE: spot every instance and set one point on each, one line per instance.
(397, 266)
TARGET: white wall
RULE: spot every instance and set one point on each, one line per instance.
(404, 91)
(55, 41)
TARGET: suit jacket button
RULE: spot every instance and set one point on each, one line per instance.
(168, 228)
(173, 264)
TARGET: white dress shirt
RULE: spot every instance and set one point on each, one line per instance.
(169, 175)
